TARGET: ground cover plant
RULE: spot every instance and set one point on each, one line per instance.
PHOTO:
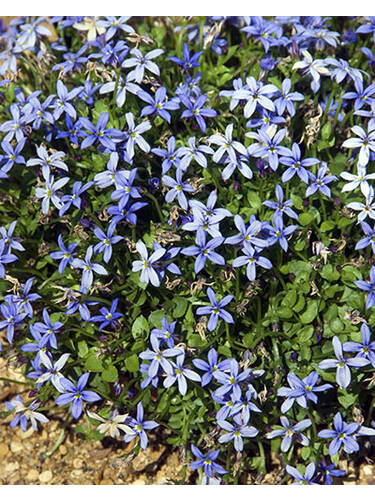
(187, 236)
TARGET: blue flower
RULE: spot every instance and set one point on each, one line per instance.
(74, 130)
(195, 110)
(207, 462)
(107, 316)
(227, 145)
(178, 188)
(230, 382)
(106, 242)
(188, 153)
(289, 431)
(166, 333)
(216, 310)
(52, 373)
(367, 286)
(188, 62)
(62, 102)
(114, 25)
(296, 165)
(236, 431)
(106, 137)
(326, 472)
(251, 259)
(248, 235)
(134, 135)
(158, 104)
(15, 126)
(364, 350)
(25, 413)
(65, 254)
(48, 329)
(76, 394)
(205, 251)
(286, 99)
(12, 155)
(139, 426)
(268, 145)
(211, 365)
(244, 405)
(306, 478)
(256, 94)
(5, 258)
(301, 391)
(124, 84)
(342, 436)
(281, 207)
(369, 240)
(171, 157)
(9, 240)
(49, 192)
(320, 181)
(158, 358)
(47, 161)
(11, 312)
(361, 95)
(278, 233)
(25, 297)
(342, 364)
(146, 265)
(141, 63)
(365, 142)
(88, 269)
(180, 373)
(75, 197)
(39, 346)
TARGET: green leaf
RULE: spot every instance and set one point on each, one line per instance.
(326, 131)
(347, 399)
(140, 327)
(305, 452)
(329, 273)
(306, 218)
(110, 374)
(181, 306)
(132, 363)
(92, 364)
(310, 314)
(254, 200)
(82, 348)
(327, 225)
(305, 334)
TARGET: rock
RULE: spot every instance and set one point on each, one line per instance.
(99, 454)
(16, 447)
(11, 467)
(32, 475)
(24, 435)
(77, 463)
(45, 477)
(62, 450)
(4, 450)
(139, 481)
(368, 470)
(106, 481)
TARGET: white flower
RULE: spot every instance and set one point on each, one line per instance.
(112, 425)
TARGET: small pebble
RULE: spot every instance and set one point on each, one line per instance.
(32, 475)
(3, 450)
(45, 477)
(16, 447)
